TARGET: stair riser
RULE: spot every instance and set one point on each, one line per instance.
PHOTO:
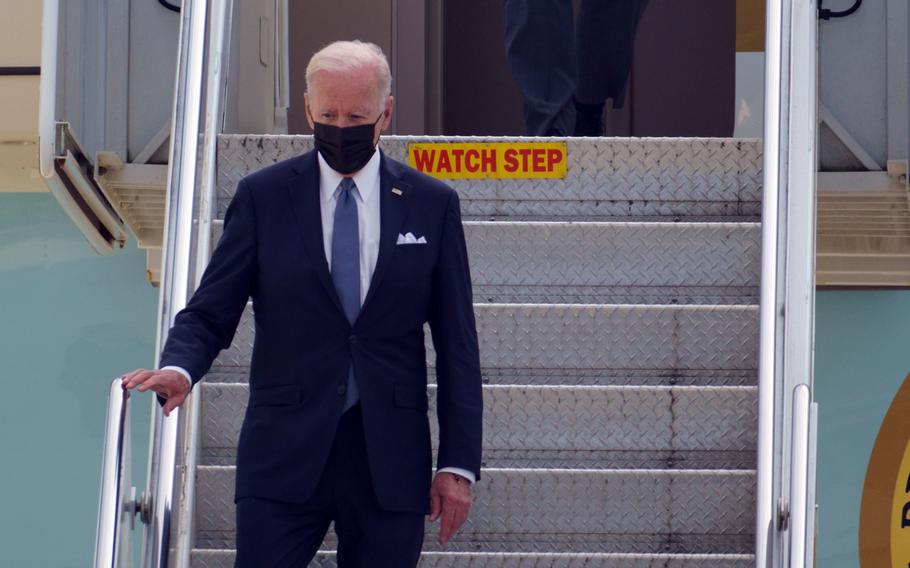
(717, 263)
(597, 427)
(562, 509)
(563, 339)
(605, 177)
(225, 559)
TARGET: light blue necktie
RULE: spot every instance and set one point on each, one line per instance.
(346, 265)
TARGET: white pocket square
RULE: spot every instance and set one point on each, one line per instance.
(410, 239)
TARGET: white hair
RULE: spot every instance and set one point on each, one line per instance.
(349, 56)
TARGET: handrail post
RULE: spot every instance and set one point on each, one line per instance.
(788, 271)
(769, 312)
(216, 78)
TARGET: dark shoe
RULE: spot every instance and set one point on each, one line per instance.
(589, 119)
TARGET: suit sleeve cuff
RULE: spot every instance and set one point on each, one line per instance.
(182, 371)
(467, 474)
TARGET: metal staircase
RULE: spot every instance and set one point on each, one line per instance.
(646, 344)
(617, 313)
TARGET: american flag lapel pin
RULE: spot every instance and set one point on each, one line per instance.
(397, 191)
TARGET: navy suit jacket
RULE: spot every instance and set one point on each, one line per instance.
(272, 250)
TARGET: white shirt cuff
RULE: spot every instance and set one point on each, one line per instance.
(467, 474)
(182, 371)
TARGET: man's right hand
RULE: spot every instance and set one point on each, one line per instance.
(170, 384)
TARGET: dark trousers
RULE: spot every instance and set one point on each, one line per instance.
(278, 534)
(553, 59)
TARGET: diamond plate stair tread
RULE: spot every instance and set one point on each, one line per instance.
(540, 510)
(584, 262)
(202, 558)
(605, 338)
(540, 426)
(605, 177)
(228, 373)
(553, 316)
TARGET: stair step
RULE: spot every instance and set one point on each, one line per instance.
(595, 263)
(605, 178)
(564, 262)
(606, 339)
(570, 377)
(567, 427)
(618, 327)
(326, 559)
(564, 510)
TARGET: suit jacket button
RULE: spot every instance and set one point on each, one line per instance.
(353, 339)
(342, 389)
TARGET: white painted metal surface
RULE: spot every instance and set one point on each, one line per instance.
(175, 271)
(799, 482)
(48, 90)
(218, 25)
(897, 33)
(112, 537)
(788, 293)
(80, 180)
(765, 517)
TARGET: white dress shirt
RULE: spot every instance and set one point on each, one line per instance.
(366, 195)
(368, 221)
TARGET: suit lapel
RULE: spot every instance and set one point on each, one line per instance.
(392, 212)
(303, 191)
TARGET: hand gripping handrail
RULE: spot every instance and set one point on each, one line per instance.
(112, 543)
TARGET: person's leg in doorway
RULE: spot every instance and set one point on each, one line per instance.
(541, 52)
(605, 36)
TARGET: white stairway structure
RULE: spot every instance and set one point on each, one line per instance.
(617, 313)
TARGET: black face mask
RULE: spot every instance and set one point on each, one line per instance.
(347, 149)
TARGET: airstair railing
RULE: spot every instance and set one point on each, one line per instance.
(785, 469)
(215, 88)
(166, 507)
(117, 504)
(112, 544)
(176, 273)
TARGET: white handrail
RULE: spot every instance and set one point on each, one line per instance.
(769, 312)
(111, 546)
(811, 507)
(799, 477)
(216, 65)
(175, 270)
(788, 283)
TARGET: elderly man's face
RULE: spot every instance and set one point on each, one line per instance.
(347, 99)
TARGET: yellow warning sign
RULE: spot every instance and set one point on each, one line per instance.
(489, 159)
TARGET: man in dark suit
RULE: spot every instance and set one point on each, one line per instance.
(346, 253)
